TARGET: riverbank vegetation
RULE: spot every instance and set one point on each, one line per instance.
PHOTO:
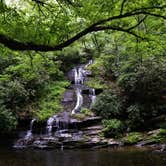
(42, 40)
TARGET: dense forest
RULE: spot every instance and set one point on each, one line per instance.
(41, 40)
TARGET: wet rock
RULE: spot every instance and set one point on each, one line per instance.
(145, 142)
(113, 143)
(154, 132)
(68, 96)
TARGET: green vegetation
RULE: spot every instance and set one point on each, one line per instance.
(50, 103)
(158, 137)
(113, 128)
(126, 39)
(83, 114)
(133, 138)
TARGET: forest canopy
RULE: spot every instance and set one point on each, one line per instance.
(48, 25)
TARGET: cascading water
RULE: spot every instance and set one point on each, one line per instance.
(78, 76)
(92, 96)
(79, 80)
(50, 122)
(89, 63)
(29, 132)
(62, 121)
(79, 101)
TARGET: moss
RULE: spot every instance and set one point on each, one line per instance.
(133, 138)
(159, 137)
(86, 112)
(79, 116)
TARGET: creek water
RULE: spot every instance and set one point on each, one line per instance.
(103, 157)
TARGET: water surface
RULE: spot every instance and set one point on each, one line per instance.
(104, 157)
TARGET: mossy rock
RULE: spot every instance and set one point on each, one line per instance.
(87, 112)
(159, 137)
(133, 138)
(79, 116)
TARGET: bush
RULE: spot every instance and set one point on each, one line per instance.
(144, 82)
(110, 104)
(113, 128)
(135, 116)
(8, 121)
(140, 96)
(50, 103)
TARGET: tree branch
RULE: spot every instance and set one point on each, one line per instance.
(137, 23)
(17, 45)
(115, 28)
(122, 6)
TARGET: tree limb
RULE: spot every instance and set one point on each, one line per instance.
(115, 28)
(137, 23)
(18, 45)
(122, 6)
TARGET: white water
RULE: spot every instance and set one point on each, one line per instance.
(50, 123)
(79, 101)
(92, 95)
(79, 75)
(89, 63)
(29, 132)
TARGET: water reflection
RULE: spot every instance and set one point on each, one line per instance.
(107, 157)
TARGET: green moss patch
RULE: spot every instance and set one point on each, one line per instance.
(133, 138)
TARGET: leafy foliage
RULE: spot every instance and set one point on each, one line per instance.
(7, 119)
(110, 105)
(112, 128)
(133, 138)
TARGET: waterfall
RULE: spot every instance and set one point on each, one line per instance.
(29, 132)
(92, 95)
(79, 101)
(50, 123)
(63, 122)
(89, 63)
(78, 75)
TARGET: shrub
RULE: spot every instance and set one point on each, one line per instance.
(8, 120)
(113, 128)
(110, 105)
(135, 116)
(144, 82)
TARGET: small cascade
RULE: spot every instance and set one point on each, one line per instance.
(79, 101)
(89, 63)
(92, 96)
(50, 123)
(79, 75)
(29, 132)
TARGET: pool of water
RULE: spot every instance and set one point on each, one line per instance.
(102, 157)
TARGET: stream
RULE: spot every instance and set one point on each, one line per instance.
(102, 157)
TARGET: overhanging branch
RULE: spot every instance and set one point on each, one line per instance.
(98, 26)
